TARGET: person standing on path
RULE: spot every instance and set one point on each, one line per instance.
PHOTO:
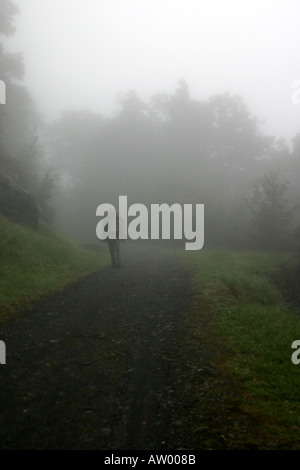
(114, 241)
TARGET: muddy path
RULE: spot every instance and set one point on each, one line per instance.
(112, 363)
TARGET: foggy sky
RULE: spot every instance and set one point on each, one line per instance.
(79, 54)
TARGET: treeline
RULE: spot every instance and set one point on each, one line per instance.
(22, 154)
(177, 149)
(171, 149)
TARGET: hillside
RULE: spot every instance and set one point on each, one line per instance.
(34, 263)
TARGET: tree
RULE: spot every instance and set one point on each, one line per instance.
(20, 152)
(17, 115)
(271, 215)
(7, 12)
(11, 65)
(44, 192)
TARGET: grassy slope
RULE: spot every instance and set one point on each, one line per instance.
(35, 263)
(255, 329)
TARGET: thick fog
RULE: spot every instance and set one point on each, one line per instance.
(163, 101)
(81, 54)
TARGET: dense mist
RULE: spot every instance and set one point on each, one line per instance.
(164, 102)
(183, 115)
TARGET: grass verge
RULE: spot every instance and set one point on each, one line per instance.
(255, 328)
(33, 264)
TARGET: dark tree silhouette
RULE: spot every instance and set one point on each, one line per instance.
(272, 215)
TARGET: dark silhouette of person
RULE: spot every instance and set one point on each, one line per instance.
(114, 242)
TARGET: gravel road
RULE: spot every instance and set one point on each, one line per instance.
(112, 363)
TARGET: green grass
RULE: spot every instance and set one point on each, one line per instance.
(254, 328)
(33, 264)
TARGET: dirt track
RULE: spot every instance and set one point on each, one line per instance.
(112, 363)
